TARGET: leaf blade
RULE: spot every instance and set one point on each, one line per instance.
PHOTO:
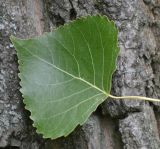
(62, 73)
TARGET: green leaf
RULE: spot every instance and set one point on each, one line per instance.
(66, 74)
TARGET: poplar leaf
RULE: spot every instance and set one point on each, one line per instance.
(67, 73)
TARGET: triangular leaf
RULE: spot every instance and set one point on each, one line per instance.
(66, 74)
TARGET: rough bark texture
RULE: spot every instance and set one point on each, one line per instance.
(117, 124)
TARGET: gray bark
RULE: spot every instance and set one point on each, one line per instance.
(117, 124)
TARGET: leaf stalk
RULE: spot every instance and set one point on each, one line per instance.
(135, 97)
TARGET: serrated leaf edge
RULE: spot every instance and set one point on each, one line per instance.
(19, 75)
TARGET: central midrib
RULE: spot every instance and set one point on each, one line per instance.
(71, 75)
(64, 70)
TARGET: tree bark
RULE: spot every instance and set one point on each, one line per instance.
(116, 124)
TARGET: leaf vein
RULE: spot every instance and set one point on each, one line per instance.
(74, 53)
(53, 116)
(89, 49)
(66, 97)
(102, 52)
(69, 53)
(54, 66)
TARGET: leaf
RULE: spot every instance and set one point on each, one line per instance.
(66, 74)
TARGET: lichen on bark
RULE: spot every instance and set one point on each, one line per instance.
(116, 123)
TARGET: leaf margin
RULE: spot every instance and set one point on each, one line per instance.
(20, 65)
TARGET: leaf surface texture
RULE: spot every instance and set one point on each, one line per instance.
(66, 74)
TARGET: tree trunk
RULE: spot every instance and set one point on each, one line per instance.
(117, 124)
